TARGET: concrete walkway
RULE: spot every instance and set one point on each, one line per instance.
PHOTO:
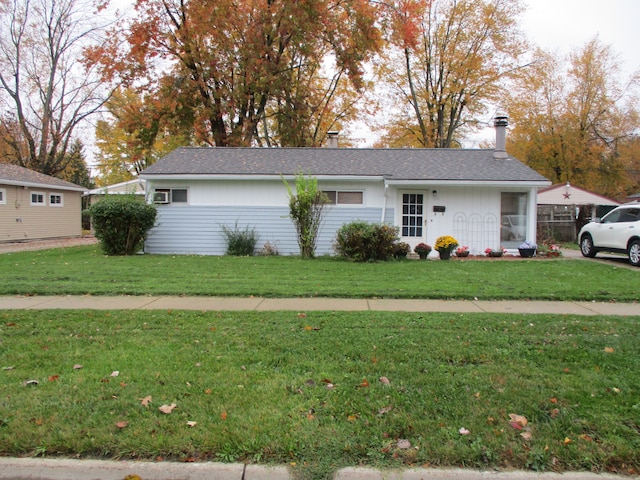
(313, 304)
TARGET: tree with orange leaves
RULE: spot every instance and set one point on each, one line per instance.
(232, 61)
(445, 65)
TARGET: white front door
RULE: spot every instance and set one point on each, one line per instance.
(412, 224)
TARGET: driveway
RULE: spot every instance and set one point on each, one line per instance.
(28, 245)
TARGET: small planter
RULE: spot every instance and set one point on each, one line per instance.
(423, 256)
(444, 254)
(462, 254)
(527, 252)
(495, 254)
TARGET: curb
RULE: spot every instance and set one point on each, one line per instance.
(69, 469)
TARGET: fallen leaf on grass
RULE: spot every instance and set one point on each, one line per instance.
(609, 350)
(192, 424)
(53, 378)
(386, 409)
(122, 424)
(567, 441)
(77, 366)
(463, 431)
(8, 368)
(30, 382)
(526, 435)
(404, 444)
(554, 413)
(223, 415)
(167, 409)
(146, 401)
(518, 419)
(364, 384)
(385, 381)
(115, 373)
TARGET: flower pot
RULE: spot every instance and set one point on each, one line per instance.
(527, 252)
(444, 254)
(423, 256)
(463, 254)
(495, 254)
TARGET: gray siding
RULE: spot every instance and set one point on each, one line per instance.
(198, 229)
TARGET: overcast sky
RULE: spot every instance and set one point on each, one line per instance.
(563, 25)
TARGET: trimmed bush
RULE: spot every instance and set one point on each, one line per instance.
(121, 223)
(363, 242)
(240, 243)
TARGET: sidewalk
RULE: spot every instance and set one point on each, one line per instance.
(310, 304)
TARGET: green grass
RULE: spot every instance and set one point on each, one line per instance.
(85, 270)
(256, 384)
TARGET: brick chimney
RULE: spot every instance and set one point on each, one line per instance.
(500, 123)
(332, 139)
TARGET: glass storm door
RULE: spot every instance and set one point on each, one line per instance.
(412, 217)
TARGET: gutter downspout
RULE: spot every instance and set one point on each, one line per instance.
(384, 202)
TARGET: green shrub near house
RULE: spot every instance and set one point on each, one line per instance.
(121, 223)
(363, 241)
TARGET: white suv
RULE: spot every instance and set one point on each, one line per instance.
(618, 231)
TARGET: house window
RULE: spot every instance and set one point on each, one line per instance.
(3, 196)
(55, 200)
(344, 197)
(37, 198)
(170, 195)
(514, 217)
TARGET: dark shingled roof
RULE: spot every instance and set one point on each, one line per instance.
(14, 174)
(394, 164)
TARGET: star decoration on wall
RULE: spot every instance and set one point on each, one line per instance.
(566, 195)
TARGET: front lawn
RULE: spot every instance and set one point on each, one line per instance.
(85, 270)
(323, 390)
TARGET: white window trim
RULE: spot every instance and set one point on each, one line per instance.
(169, 191)
(3, 196)
(58, 205)
(38, 204)
(346, 205)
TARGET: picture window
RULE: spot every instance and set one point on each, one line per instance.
(3, 196)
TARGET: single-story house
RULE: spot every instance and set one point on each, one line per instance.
(564, 208)
(130, 187)
(37, 206)
(483, 197)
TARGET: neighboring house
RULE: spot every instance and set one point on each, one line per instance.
(564, 208)
(424, 192)
(634, 198)
(37, 206)
(134, 187)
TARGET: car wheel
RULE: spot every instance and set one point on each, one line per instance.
(634, 253)
(586, 246)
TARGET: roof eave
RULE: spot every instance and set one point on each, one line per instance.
(19, 183)
(236, 177)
